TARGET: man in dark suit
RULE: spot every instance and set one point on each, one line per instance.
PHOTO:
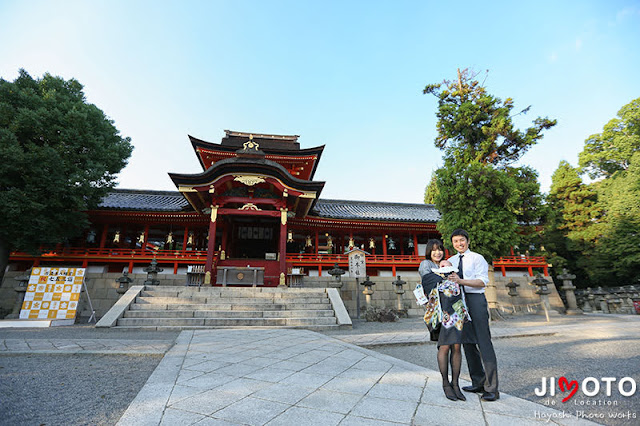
(473, 273)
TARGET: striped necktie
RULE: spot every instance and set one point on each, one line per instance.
(460, 268)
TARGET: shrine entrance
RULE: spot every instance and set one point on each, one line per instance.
(253, 238)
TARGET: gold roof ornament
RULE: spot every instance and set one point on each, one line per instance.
(250, 144)
(249, 180)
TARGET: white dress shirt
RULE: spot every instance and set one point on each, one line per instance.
(474, 268)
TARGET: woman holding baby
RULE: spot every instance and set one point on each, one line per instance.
(446, 315)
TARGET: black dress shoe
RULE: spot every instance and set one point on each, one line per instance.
(458, 393)
(475, 389)
(490, 396)
(449, 393)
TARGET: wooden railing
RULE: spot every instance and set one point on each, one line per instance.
(138, 257)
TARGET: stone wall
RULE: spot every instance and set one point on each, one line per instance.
(102, 290)
(384, 295)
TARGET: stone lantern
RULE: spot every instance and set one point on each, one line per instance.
(123, 283)
(152, 273)
(568, 287)
(513, 292)
(368, 290)
(544, 292)
(399, 292)
(600, 300)
(337, 274)
(21, 288)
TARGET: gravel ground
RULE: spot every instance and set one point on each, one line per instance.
(70, 390)
(596, 350)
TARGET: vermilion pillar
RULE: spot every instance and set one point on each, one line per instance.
(211, 247)
(384, 246)
(283, 246)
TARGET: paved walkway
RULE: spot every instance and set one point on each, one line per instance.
(299, 377)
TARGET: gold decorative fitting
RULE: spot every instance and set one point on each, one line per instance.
(170, 238)
(214, 213)
(249, 180)
(116, 238)
(250, 144)
(283, 216)
(249, 206)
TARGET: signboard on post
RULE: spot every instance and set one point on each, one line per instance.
(53, 294)
(357, 263)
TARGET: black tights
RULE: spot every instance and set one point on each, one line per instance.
(454, 353)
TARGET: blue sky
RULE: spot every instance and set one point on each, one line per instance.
(345, 74)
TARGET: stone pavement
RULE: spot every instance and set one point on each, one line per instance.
(300, 377)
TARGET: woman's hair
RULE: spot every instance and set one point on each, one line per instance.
(431, 244)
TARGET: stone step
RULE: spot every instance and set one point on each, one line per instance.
(215, 322)
(236, 293)
(178, 328)
(228, 314)
(213, 300)
(229, 307)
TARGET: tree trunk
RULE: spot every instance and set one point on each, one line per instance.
(4, 257)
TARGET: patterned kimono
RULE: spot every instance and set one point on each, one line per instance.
(446, 311)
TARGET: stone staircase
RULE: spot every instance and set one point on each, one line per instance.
(180, 308)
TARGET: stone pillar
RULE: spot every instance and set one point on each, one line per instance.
(569, 288)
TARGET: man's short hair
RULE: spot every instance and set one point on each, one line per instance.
(460, 232)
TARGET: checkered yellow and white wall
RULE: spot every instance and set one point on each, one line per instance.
(52, 293)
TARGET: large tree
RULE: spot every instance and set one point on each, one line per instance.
(477, 188)
(610, 151)
(573, 223)
(60, 155)
(474, 125)
(480, 199)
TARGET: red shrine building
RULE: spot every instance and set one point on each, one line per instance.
(254, 209)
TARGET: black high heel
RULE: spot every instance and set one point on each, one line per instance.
(448, 392)
(458, 393)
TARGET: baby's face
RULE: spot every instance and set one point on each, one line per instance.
(445, 263)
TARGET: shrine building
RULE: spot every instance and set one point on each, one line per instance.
(256, 208)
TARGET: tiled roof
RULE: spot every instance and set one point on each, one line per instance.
(171, 201)
(369, 210)
(146, 200)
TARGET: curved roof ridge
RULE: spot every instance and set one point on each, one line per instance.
(386, 203)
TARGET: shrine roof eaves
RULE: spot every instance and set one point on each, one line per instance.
(174, 201)
(144, 200)
(373, 210)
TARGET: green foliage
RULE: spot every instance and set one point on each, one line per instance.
(617, 252)
(482, 200)
(574, 221)
(477, 189)
(60, 155)
(610, 151)
(476, 126)
(431, 191)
